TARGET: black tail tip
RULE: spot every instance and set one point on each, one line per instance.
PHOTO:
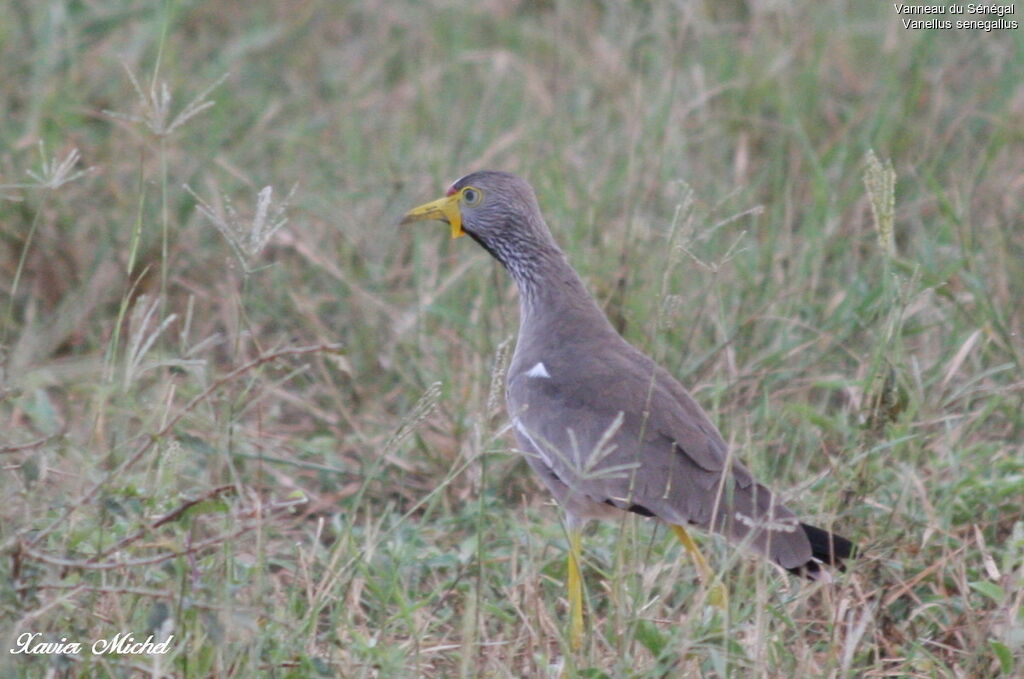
(827, 548)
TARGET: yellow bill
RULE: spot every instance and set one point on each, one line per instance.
(445, 209)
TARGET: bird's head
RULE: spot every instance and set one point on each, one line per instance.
(496, 209)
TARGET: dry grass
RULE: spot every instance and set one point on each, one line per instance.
(273, 427)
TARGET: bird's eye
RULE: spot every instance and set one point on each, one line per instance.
(471, 196)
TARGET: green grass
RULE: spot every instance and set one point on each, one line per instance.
(294, 457)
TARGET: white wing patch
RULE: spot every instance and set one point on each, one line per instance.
(538, 371)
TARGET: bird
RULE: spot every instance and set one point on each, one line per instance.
(605, 427)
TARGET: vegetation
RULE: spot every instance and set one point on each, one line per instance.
(269, 421)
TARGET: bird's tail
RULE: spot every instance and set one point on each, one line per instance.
(827, 548)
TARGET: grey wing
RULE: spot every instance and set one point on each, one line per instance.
(632, 437)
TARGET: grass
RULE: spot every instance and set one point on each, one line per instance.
(285, 443)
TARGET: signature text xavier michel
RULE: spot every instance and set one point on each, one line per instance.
(31, 643)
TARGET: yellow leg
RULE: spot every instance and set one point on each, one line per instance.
(717, 594)
(575, 590)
